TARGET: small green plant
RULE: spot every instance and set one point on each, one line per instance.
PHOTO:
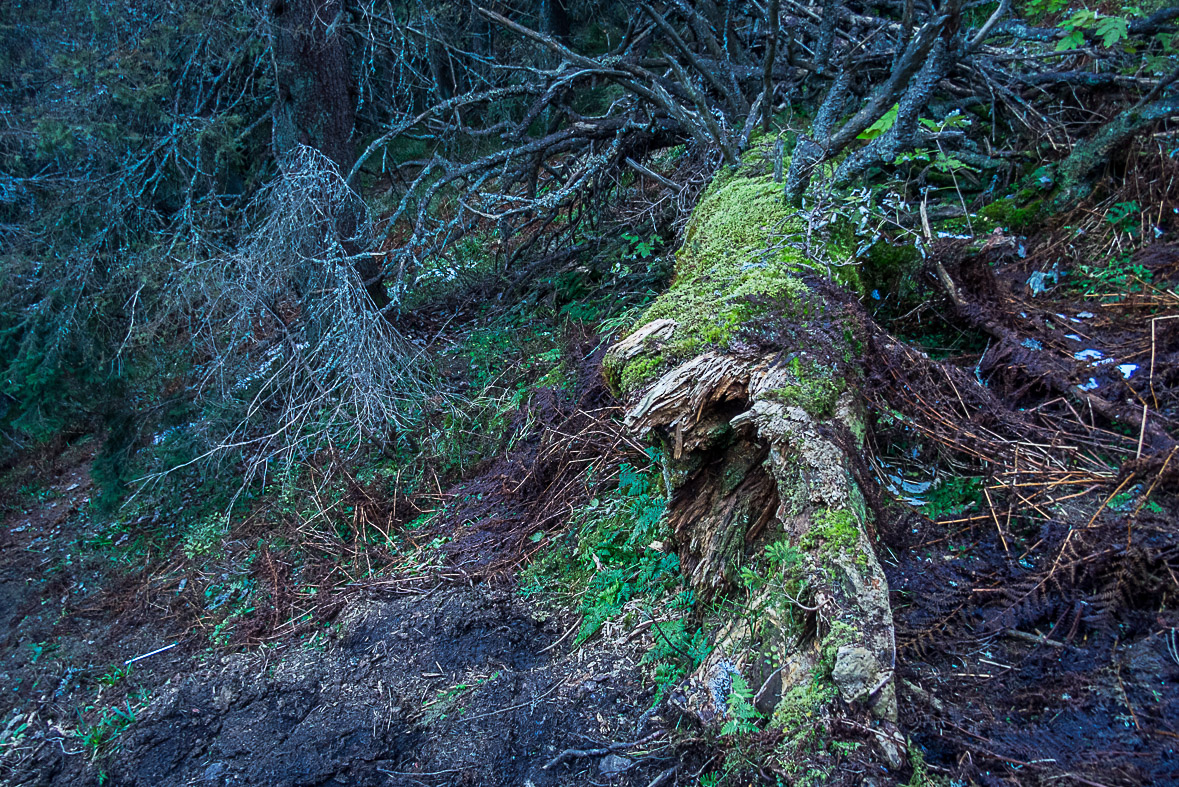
(234, 596)
(953, 496)
(444, 700)
(674, 652)
(614, 538)
(1108, 28)
(1124, 217)
(37, 649)
(116, 674)
(886, 121)
(99, 736)
(36, 492)
(1118, 276)
(921, 775)
(742, 716)
(637, 248)
(203, 537)
(612, 554)
(640, 248)
(939, 159)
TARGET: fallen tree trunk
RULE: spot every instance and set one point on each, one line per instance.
(744, 374)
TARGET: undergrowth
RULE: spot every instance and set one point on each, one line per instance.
(615, 557)
(612, 552)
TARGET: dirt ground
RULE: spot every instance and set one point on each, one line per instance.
(464, 684)
(458, 687)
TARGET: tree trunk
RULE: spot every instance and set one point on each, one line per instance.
(316, 93)
(316, 103)
(744, 374)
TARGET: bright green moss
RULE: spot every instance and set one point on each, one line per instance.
(738, 265)
(639, 371)
(1008, 213)
(726, 264)
(834, 532)
(799, 709)
(726, 259)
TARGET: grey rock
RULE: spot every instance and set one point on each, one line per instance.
(855, 672)
(612, 765)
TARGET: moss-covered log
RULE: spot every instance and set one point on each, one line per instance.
(1076, 170)
(745, 373)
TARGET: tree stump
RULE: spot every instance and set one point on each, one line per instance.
(744, 374)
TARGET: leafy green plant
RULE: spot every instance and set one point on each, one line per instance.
(637, 248)
(953, 496)
(939, 159)
(611, 556)
(115, 674)
(674, 654)
(921, 775)
(1117, 276)
(204, 536)
(640, 247)
(1124, 216)
(742, 716)
(1109, 28)
(881, 126)
(781, 558)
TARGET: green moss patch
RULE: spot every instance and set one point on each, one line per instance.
(813, 387)
(728, 262)
(833, 533)
(1015, 213)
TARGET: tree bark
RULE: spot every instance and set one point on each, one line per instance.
(316, 92)
(317, 99)
(744, 375)
(1075, 171)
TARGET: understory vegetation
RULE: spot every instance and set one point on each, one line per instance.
(808, 370)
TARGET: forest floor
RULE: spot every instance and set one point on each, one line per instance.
(459, 683)
(521, 642)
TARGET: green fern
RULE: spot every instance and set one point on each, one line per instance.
(743, 717)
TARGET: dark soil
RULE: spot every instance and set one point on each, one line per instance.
(1008, 683)
(462, 684)
(450, 688)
